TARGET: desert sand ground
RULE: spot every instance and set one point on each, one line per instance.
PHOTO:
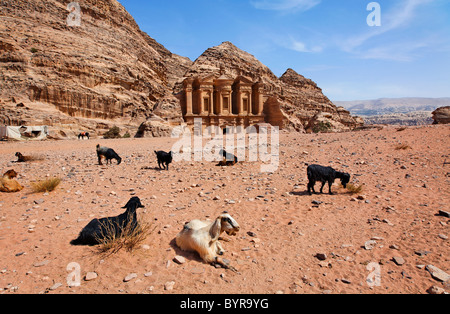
(282, 227)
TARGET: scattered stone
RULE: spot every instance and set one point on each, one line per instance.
(437, 273)
(405, 275)
(179, 259)
(130, 277)
(444, 213)
(324, 264)
(436, 290)
(388, 222)
(90, 276)
(398, 260)
(40, 264)
(39, 201)
(369, 245)
(422, 253)
(321, 256)
(168, 286)
(346, 281)
(56, 286)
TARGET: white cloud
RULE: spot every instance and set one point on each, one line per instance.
(284, 5)
(400, 16)
(395, 52)
(301, 47)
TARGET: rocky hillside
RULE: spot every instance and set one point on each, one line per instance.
(389, 106)
(407, 119)
(302, 101)
(107, 71)
(106, 68)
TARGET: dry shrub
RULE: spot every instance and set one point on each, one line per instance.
(402, 147)
(46, 185)
(128, 238)
(353, 189)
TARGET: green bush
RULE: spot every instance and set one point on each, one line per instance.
(322, 127)
(113, 132)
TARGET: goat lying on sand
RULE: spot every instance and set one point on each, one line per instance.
(228, 159)
(325, 174)
(22, 158)
(203, 237)
(104, 228)
(108, 153)
(8, 184)
(164, 158)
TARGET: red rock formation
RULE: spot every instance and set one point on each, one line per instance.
(442, 115)
(106, 68)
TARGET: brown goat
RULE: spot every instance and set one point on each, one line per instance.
(8, 184)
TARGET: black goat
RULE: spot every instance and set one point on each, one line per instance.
(164, 158)
(325, 174)
(111, 227)
(228, 159)
(108, 153)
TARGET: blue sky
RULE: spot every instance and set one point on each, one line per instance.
(328, 41)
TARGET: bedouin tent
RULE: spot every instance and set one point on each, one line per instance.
(22, 133)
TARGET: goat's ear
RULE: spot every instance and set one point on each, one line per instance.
(214, 232)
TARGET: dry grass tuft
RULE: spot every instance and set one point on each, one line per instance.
(402, 147)
(127, 239)
(353, 189)
(47, 185)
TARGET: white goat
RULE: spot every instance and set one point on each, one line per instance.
(203, 237)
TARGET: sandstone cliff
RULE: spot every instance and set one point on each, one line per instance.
(106, 68)
(108, 72)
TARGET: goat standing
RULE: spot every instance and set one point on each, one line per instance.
(164, 158)
(108, 153)
(324, 175)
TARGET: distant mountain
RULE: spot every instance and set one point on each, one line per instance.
(385, 106)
